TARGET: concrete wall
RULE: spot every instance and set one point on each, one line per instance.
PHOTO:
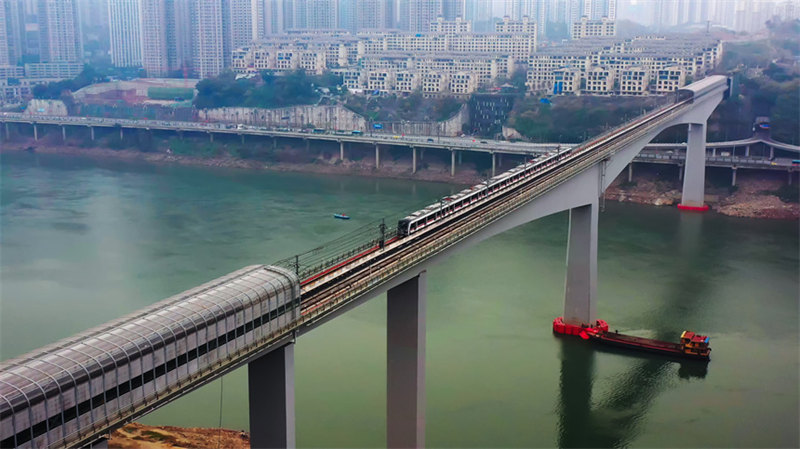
(328, 117)
(46, 107)
(450, 127)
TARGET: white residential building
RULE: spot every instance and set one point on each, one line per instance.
(670, 79)
(634, 81)
(60, 36)
(124, 30)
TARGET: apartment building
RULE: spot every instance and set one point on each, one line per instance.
(590, 29)
(567, 80)
(523, 26)
(670, 79)
(434, 83)
(124, 27)
(381, 81)
(407, 81)
(599, 81)
(442, 26)
(60, 36)
(463, 83)
(634, 81)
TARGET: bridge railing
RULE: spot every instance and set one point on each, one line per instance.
(322, 258)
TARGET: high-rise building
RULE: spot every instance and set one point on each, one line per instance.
(238, 22)
(452, 9)
(597, 9)
(12, 32)
(416, 15)
(124, 28)
(322, 14)
(268, 18)
(208, 40)
(356, 15)
(165, 36)
(60, 38)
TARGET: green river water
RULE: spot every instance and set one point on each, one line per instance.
(86, 241)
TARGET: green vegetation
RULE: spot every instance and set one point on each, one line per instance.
(170, 93)
(397, 108)
(766, 83)
(55, 89)
(573, 119)
(266, 90)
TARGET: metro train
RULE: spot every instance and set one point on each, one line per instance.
(55, 398)
(472, 197)
(451, 205)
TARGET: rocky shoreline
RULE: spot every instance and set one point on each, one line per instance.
(753, 198)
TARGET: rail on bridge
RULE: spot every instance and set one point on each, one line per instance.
(75, 391)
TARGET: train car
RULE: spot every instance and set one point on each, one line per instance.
(66, 391)
(446, 208)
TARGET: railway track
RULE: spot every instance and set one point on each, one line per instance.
(401, 254)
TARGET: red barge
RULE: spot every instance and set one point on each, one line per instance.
(691, 345)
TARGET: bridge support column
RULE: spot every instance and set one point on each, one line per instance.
(63, 133)
(274, 143)
(733, 177)
(271, 395)
(413, 160)
(459, 156)
(405, 364)
(35, 132)
(790, 178)
(714, 152)
(91, 132)
(581, 285)
(500, 160)
(747, 151)
(452, 163)
(771, 149)
(377, 156)
(341, 150)
(630, 172)
(680, 172)
(121, 136)
(7, 135)
(694, 179)
(242, 136)
(494, 164)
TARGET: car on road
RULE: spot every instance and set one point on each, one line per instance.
(430, 140)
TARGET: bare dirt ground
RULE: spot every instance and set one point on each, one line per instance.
(139, 436)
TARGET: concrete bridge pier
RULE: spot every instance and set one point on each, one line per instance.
(405, 364)
(7, 135)
(452, 163)
(630, 172)
(377, 156)
(210, 137)
(270, 381)
(121, 136)
(35, 132)
(581, 283)
(694, 179)
(413, 160)
(341, 150)
(790, 178)
(771, 152)
(500, 160)
(63, 133)
(91, 133)
(242, 136)
(733, 177)
(494, 164)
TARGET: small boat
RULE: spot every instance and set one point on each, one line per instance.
(341, 216)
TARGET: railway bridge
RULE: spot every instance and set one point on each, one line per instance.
(74, 392)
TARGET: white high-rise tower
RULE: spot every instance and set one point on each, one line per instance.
(124, 28)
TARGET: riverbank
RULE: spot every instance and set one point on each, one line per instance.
(755, 196)
(139, 436)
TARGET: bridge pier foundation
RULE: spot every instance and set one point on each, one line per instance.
(694, 179)
(405, 364)
(35, 132)
(413, 160)
(271, 393)
(581, 284)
